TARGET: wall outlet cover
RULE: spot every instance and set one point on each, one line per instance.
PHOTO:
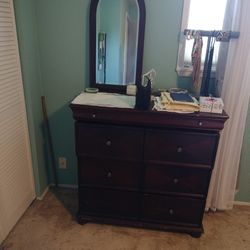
(62, 162)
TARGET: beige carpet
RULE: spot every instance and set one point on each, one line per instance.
(50, 224)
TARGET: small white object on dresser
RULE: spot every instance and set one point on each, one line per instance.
(211, 104)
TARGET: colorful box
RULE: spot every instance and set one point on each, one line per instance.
(211, 104)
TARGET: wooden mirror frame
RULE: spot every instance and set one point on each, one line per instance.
(92, 46)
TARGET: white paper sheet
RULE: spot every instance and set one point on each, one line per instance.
(105, 100)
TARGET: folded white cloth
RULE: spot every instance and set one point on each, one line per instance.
(105, 100)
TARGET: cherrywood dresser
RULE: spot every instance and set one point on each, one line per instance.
(145, 168)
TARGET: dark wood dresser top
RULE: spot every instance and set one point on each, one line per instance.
(197, 120)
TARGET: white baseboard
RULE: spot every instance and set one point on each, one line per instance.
(43, 194)
(241, 203)
(65, 186)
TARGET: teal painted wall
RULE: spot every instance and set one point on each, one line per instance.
(60, 69)
(163, 22)
(63, 43)
(29, 53)
(244, 176)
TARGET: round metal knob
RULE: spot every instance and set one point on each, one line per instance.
(109, 174)
(171, 211)
(179, 149)
(176, 181)
(200, 124)
(108, 143)
(93, 115)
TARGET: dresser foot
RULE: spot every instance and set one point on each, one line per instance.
(196, 234)
(81, 220)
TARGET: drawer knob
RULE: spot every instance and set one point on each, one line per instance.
(176, 181)
(171, 211)
(108, 143)
(109, 175)
(200, 124)
(93, 115)
(179, 149)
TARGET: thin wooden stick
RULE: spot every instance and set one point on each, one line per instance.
(51, 149)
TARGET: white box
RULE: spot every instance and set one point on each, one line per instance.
(131, 89)
(217, 106)
(205, 104)
(211, 104)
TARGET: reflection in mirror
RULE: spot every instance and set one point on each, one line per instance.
(117, 27)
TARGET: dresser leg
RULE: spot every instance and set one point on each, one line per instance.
(196, 234)
(81, 220)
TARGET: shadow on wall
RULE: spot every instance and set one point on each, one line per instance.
(62, 130)
(68, 197)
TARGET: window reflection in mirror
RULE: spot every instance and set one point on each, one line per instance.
(117, 25)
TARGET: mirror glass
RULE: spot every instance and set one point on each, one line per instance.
(117, 29)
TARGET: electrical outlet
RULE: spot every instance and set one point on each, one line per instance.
(62, 162)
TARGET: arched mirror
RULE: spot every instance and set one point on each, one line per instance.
(116, 43)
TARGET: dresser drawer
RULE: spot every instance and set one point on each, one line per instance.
(108, 203)
(169, 178)
(109, 141)
(180, 146)
(164, 209)
(108, 173)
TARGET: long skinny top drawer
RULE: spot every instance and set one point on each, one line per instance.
(184, 147)
(109, 141)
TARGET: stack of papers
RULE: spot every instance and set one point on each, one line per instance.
(166, 103)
